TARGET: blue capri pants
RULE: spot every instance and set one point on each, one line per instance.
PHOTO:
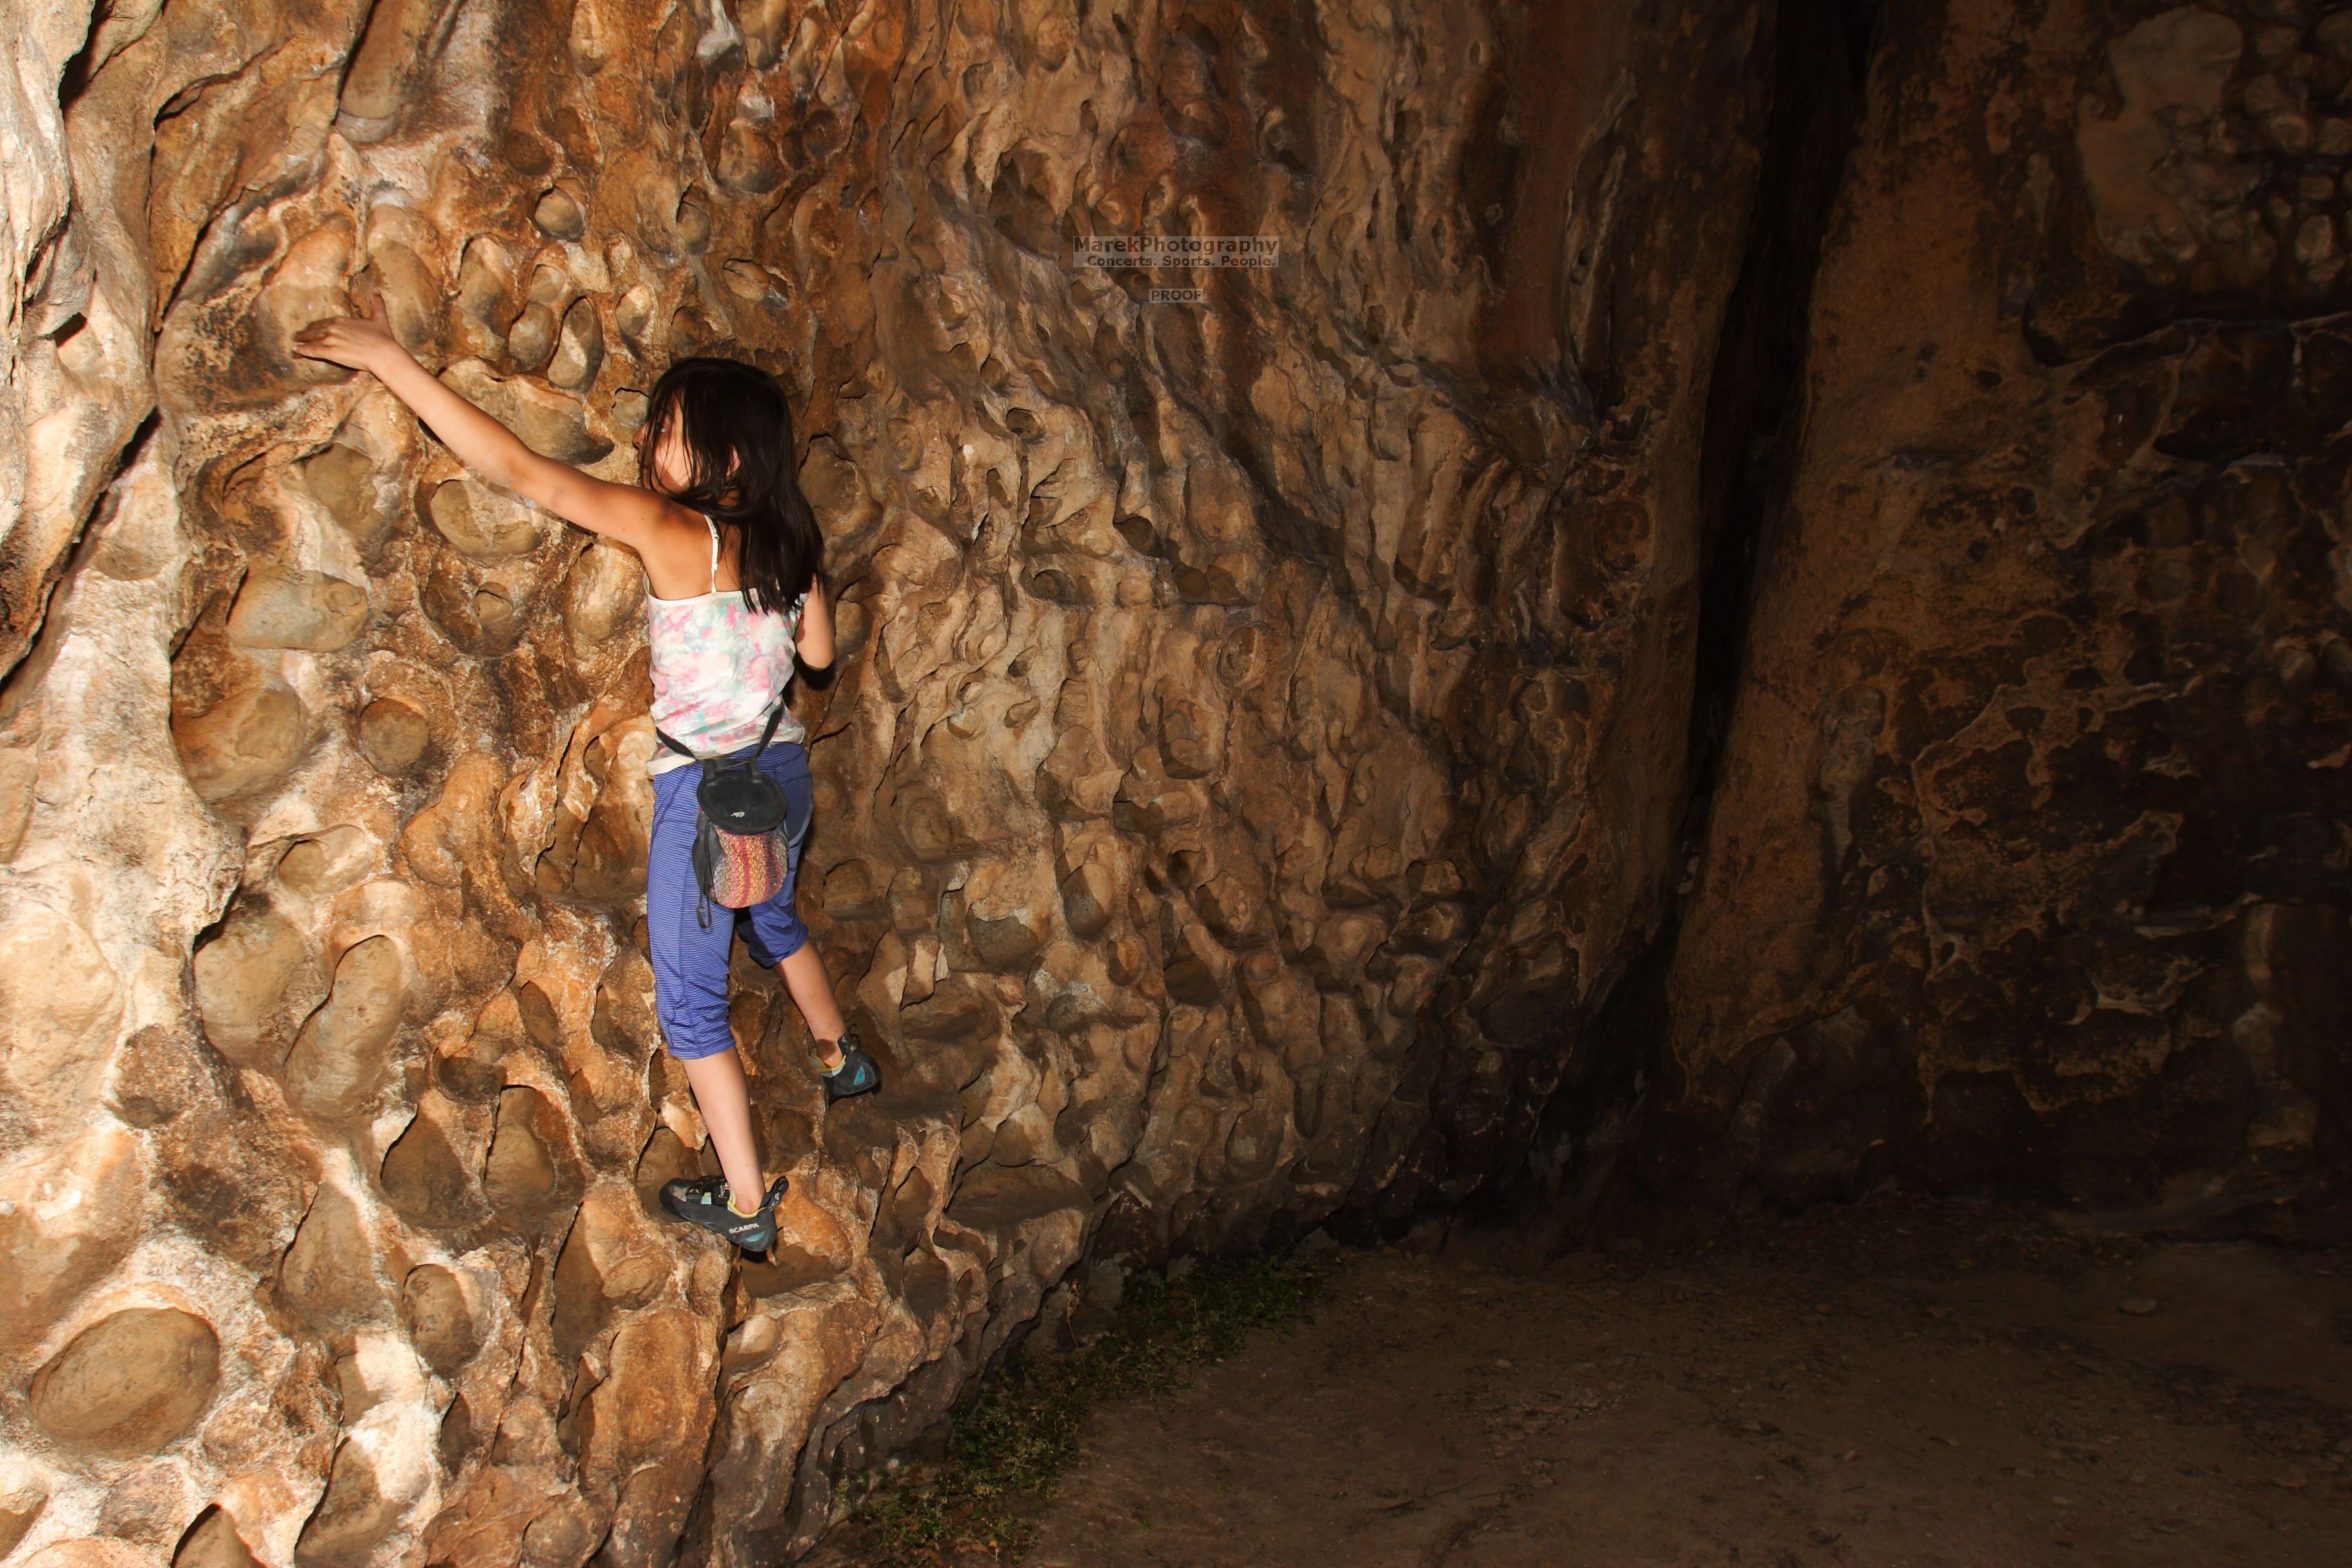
(690, 962)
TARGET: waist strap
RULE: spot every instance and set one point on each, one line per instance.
(775, 717)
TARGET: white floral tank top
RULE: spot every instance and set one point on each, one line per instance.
(718, 664)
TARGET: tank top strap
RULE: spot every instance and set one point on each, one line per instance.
(714, 551)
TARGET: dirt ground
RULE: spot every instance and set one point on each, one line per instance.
(1883, 1386)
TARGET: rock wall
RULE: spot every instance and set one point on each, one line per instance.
(1259, 739)
(2028, 867)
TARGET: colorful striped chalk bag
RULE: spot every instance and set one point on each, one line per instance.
(740, 853)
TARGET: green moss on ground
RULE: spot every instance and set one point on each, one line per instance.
(1005, 1451)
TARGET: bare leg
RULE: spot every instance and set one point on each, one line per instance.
(812, 990)
(725, 1101)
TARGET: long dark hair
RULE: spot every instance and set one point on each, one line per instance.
(738, 431)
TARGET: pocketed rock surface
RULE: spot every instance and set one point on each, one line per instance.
(1258, 769)
(1890, 1386)
(2028, 866)
(1246, 710)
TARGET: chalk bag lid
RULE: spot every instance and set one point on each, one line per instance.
(741, 800)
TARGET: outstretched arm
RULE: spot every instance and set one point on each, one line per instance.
(626, 512)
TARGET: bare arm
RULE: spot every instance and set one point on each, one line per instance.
(634, 516)
(814, 643)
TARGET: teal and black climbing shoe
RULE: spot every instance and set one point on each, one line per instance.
(857, 1074)
(703, 1201)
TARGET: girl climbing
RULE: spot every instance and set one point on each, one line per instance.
(732, 558)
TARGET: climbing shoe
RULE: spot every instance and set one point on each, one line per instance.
(703, 1201)
(857, 1074)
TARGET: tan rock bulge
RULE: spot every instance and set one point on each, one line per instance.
(1240, 715)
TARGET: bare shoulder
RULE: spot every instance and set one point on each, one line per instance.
(675, 545)
(673, 521)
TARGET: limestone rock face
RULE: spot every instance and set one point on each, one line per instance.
(2028, 866)
(1257, 739)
